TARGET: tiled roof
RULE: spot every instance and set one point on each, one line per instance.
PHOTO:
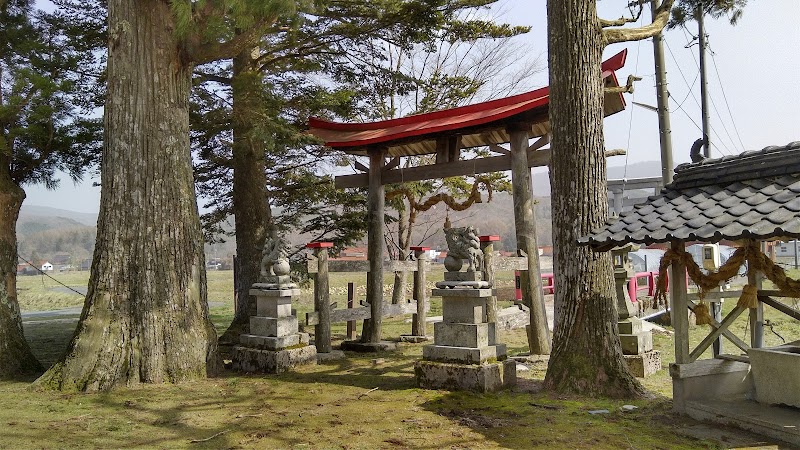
(753, 195)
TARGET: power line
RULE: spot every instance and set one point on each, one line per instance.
(48, 276)
(727, 105)
(697, 102)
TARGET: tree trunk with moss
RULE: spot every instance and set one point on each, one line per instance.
(16, 358)
(586, 356)
(250, 201)
(145, 319)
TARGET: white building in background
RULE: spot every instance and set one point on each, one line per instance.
(47, 267)
(786, 248)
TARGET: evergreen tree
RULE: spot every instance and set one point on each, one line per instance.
(145, 319)
(48, 87)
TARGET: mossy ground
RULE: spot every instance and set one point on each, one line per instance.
(334, 405)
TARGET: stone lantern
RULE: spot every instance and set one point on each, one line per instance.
(623, 271)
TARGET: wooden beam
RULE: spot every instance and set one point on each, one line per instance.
(393, 163)
(363, 313)
(363, 266)
(361, 167)
(498, 149)
(725, 332)
(714, 334)
(541, 142)
(538, 158)
(788, 310)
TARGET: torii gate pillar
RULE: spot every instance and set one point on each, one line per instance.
(525, 226)
(375, 212)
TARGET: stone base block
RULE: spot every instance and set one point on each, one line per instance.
(463, 309)
(464, 355)
(464, 334)
(477, 378)
(645, 364)
(252, 360)
(480, 292)
(369, 347)
(636, 344)
(273, 326)
(273, 342)
(273, 306)
(631, 325)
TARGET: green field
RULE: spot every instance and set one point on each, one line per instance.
(362, 402)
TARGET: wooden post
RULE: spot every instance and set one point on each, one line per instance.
(420, 291)
(487, 246)
(756, 315)
(679, 313)
(351, 297)
(322, 302)
(235, 285)
(375, 226)
(525, 225)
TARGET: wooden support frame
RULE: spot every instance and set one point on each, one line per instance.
(708, 340)
(715, 324)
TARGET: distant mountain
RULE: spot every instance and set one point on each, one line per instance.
(43, 232)
(541, 181)
(33, 212)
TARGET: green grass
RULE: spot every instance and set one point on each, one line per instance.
(334, 405)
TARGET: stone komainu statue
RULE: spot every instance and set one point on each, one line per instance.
(274, 258)
(463, 243)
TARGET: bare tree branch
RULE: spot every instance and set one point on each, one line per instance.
(615, 35)
(627, 89)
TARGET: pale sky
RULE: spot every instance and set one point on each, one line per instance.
(758, 62)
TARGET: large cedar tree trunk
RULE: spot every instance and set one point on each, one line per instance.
(250, 201)
(587, 357)
(145, 319)
(15, 355)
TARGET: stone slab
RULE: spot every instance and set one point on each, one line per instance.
(252, 360)
(273, 342)
(468, 292)
(464, 334)
(644, 365)
(463, 309)
(477, 378)
(273, 306)
(630, 325)
(369, 347)
(776, 374)
(636, 344)
(333, 355)
(273, 326)
(414, 339)
(464, 355)
(264, 292)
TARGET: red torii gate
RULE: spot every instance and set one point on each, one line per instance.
(444, 133)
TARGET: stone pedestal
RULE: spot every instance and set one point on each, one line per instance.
(465, 354)
(637, 348)
(274, 344)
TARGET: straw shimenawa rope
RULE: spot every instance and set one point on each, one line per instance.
(756, 260)
(415, 207)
